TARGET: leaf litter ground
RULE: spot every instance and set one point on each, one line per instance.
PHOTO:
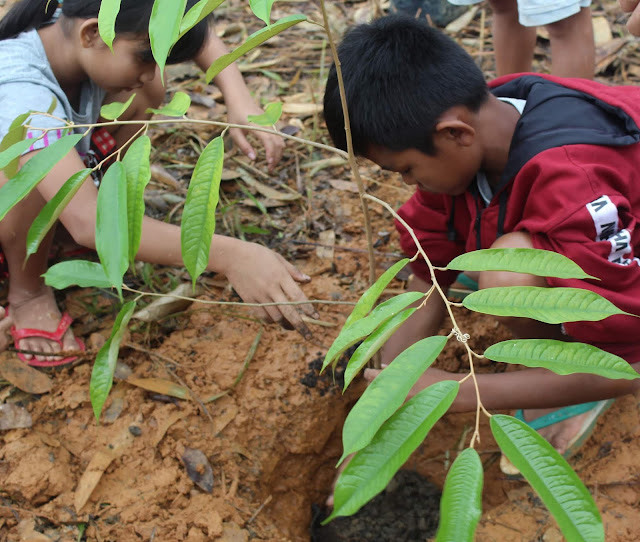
(219, 428)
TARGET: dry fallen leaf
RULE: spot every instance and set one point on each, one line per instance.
(13, 416)
(22, 376)
(98, 464)
(198, 468)
(163, 306)
(159, 385)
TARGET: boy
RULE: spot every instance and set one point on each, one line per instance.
(536, 161)
(568, 22)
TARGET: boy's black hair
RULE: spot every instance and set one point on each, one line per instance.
(133, 19)
(400, 76)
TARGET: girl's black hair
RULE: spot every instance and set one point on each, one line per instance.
(400, 75)
(133, 19)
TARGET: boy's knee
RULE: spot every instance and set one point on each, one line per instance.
(494, 279)
(503, 7)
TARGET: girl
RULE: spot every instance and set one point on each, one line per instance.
(51, 49)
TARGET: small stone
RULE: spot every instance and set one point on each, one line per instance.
(135, 430)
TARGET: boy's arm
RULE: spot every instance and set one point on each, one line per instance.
(258, 274)
(239, 101)
(528, 388)
(425, 322)
(633, 24)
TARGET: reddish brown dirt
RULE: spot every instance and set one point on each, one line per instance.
(272, 440)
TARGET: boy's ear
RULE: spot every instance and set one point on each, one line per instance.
(89, 33)
(456, 125)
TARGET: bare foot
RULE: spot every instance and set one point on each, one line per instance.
(5, 325)
(561, 435)
(39, 311)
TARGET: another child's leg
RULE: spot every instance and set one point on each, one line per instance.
(32, 303)
(559, 434)
(512, 42)
(573, 51)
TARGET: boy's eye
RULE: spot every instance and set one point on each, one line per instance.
(146, 56)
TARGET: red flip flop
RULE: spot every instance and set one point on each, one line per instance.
(56, 336)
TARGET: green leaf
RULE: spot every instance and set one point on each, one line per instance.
(52, 210)
(107, 15)
(113, 110)
(52, 105)
(33, 171)
(271, 115)
(532, 261)
(350, 335)
(550, 475)
(164, 28)
(387, 392)
(14, 135)
(14, 152)
(105, 364)
(369, 298)
(177, 107)
(372, 344)
(76, 273)
(198, 217)
(561, 357)
(253, 41)
(112, 232)
(373, 467)
(550, 305)
(262, 9)
(138, 173)
(197, 13)
(461, 503)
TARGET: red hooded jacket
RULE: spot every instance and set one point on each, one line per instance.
(572, 181)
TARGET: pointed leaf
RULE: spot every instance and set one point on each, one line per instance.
(373, 467)
(107, 15)
(14, 152)
(550, 305)
(369, 298)
(561, 357)
(550, 475)
(271, 115)
(350, 335)
(14, 135)
(533, 261)
(53, 209)
(113, 110)
(197, 13)
(164, 28)
(177, 107)
(262, 9)
(33, 171)
(76, 273)
(372, 344)
(461, 503)
(105, 364)
(138, 173)
(198, 217)
(112, 232)
(253, 41)
(52, 105)
(387, 392)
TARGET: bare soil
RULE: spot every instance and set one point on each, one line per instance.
(266, 423)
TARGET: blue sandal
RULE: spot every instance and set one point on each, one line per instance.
(596, 408)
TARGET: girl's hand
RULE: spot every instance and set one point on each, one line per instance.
(273, 144)
(633, 7)
(5, 325)
(259, 275)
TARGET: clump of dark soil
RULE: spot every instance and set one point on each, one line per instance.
(407, 510)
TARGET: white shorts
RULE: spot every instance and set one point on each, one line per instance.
(539, 12)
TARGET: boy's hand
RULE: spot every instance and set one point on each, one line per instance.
(260, 275)
(632, 6)
(273, 144)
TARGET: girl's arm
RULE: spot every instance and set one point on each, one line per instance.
(258, 274)
(239, 101)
